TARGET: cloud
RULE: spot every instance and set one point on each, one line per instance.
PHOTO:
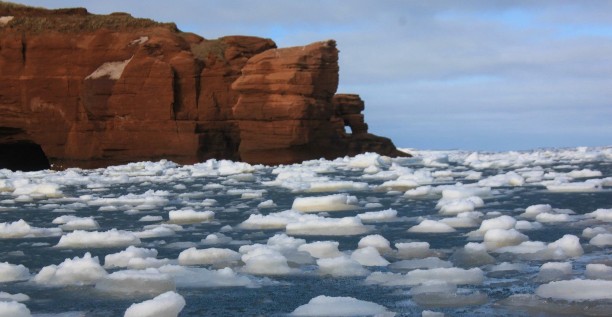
(439, 74)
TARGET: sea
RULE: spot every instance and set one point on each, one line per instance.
(442, 233)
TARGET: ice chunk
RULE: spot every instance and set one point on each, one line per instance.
(321, 249)
(592, 232)
(151, 218)
(472, 255)
(549, 217)
(383, 215)
(44, 190)
(526, 225)
(501, 222)
(216, 238)
(95, 239)
(498, 238)
(21, 229)
(429, 313)
(412, 250)
(190, 216)
(418, 192)
(596, 271)
(337, 202)
(584, 173)
(574, 187)
(148, 281)
(122, 259)
(13, 309)
(375, 240)
(454, 207)
(552, 271)
(277, 220)
(508, 179)
(430, 226)
(11, 272)
(341, 306)
(168, 304)
(602, 240)
(197, 277)
(76, 271)
(266, 204)
(568, 246)
(534, 210)
(604, 215)
(19, 297)
(193, 256)
(369, 256)
(265, 261)
(346, 226)
(341, 266)
(78, 223)
(576, 290)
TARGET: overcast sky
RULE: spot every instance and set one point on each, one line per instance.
(478, 75)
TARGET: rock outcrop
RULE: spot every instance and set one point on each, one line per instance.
(93, 90)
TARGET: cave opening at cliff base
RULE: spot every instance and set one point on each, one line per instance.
(23, 156)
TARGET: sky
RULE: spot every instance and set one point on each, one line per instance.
(473, 75)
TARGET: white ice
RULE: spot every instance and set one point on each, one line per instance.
(336, 202)
(168, 304)
(76, 271)
(94, 239)
(341, 306)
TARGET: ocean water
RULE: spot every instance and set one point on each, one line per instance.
(454, 232)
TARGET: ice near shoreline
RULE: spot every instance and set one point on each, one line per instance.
(451, 231)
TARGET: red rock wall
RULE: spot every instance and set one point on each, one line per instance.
(100, 90)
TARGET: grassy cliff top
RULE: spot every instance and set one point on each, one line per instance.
(71, 20)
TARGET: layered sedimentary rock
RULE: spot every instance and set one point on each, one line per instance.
(94, 90)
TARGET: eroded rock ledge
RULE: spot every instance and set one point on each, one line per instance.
(95, 90)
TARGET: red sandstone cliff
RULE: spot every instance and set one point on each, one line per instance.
(94, 90)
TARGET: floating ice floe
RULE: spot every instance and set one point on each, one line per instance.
(190, 216)
(369, 256)
(77, 271)
(602, 240)
(265, 261)
(341, 306)
(123, 258)
(576, 290)
(341, 266)
(95, 239)
(321, 249)
(431, 226)
(375, 240)
(337, 202)
(346, 226)
(21, 229)
(193, 256)
(374, 216)
(413, 250)
(596, 271)
(553, 271)
(168, 304)
(453, 275)
(13, 272)
(197, 277)
(14, 309)
(19, 297)
(128, 282)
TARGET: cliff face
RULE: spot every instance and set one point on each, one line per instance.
(94, 90)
